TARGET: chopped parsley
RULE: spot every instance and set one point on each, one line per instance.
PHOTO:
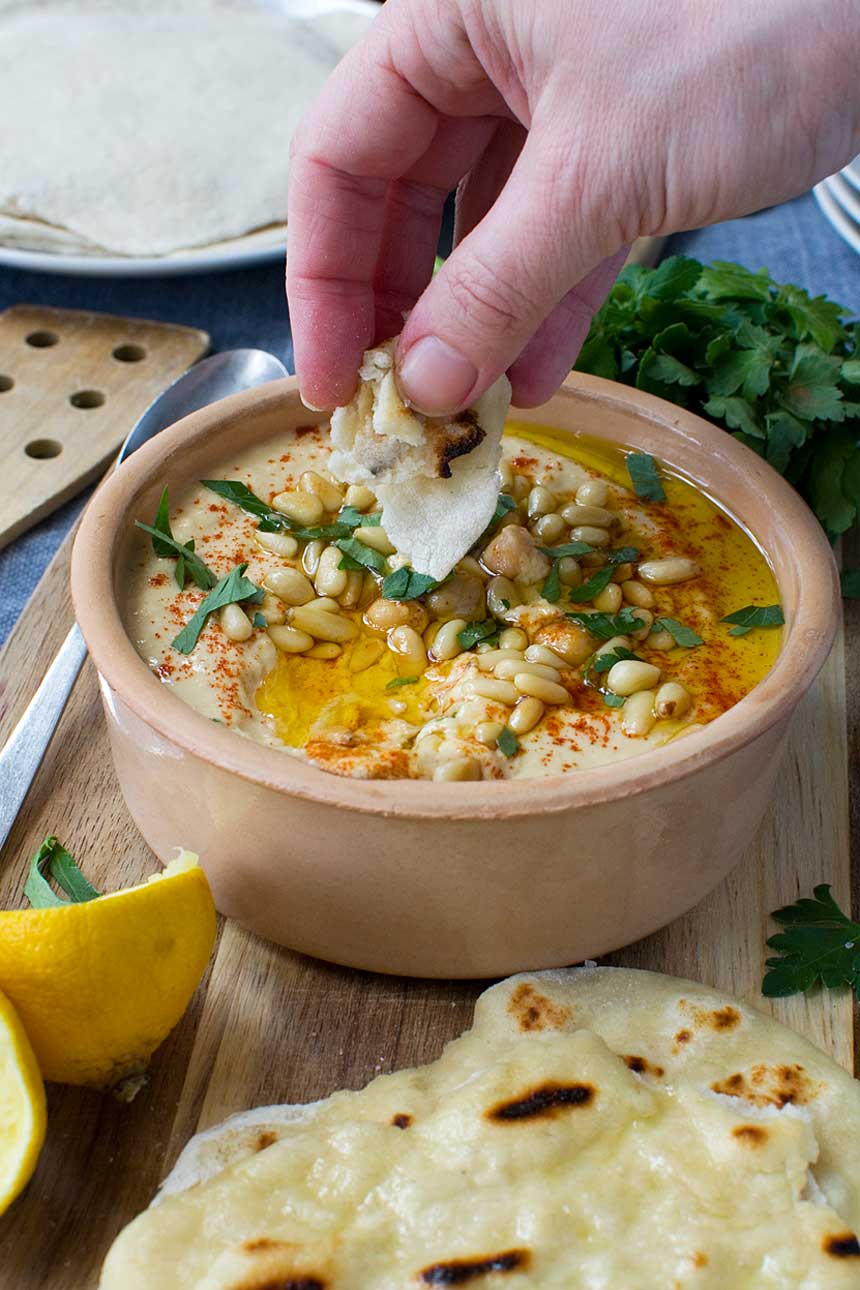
(568, 548)
(613, 700)
(406, 584)
(272, 521)
(358, 555)
(402, 680)
(54, 861)
(507, 743)
(681, 634)
(607, 660)
(232, 589)
(605, 626)
(645, 477)
(165, 545)
(259, 620)
(551, 589)
(598, 582)
(754, 616)
(477, 633)
(623, 555)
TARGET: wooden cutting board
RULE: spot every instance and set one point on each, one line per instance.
(72, 384)
(268, 1026)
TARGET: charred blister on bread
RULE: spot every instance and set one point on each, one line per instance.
(457, 1272)
(770, 1086)
(534, 1011)
(542, 1102)
(843, 1246)
(641, 1066)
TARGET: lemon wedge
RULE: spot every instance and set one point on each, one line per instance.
(99, 984)
(22, 1106)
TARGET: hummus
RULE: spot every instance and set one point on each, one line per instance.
(444, 684)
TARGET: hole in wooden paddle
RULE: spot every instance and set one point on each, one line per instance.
(6, 383)
(87, 399)
(42, 339)
(41, 449)
(129, 353)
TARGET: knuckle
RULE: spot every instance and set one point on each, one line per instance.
(490, 300)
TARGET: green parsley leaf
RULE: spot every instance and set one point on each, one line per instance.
(644, 476)
(507, 743)
(737, 413)
(613, 700)
(608, 658)
(724, 280)
(53, 860)
(623, 555)
(233, 490)
(551, 589)
(355, 520)
(260, 620)
(477, 633)
(851, 584)
(813, 391)
(593, 586)
(402, 680)
(406, 584)
(681, 635)
(568, 548)
(232, 589)
(161, 526)
(186, 560)
(754, 616)
(357, 555)
(820, 943)
(272, 521)
(605, 626)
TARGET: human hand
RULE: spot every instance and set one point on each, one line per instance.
(570, 130)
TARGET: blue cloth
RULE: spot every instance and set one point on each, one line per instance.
(247, 307)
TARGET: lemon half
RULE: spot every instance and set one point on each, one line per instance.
(99, 985)
(22, 1106)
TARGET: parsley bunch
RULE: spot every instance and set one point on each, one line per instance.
(777, 368)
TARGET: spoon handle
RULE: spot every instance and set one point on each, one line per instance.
(22, 754)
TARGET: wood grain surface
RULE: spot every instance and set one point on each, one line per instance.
(268, 1026)
(72, 384)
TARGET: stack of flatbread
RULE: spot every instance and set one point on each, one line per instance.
(150, 128)
(597, 1129)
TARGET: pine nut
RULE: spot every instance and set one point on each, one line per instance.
(311, 556)
(593, 536)
(278, 543)
(622, 573)
(637, 715)
(490, 658)
(383, 614)
(290, 639)
(487, 732)
(329, 494)
(594, 492)
(506, 476)
(549, 528)
(272, 610)
(326, 650)
(324, 602)
(636, 594)
(540, 654)
(289, 585)
(509, 669)
(574, 514)
(520, 487)
(540, 688)
(300, 507)
(663, 573)
(499, 590)
(376, 538)
(673, 700)
(660, 640)
(495, 691)
(526, 715)
(235, 623)
(608, 601)
(540, 502)
(647, 620)
(513, 638)
(569, 573)
(323, 625)
(406, 642)
(351, 594)
(630, 676)
(429, 635)
(460, 769)
(445, 643)
(360, 497)
(593, 560)
(330, 579)
(365, 654)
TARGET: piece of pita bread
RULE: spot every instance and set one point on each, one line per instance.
(597, 1128)
(437, 478)
(142, 129)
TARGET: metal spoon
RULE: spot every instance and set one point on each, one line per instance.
(212, 379)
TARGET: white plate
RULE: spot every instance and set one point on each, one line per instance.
(833, 212)
(266, 247)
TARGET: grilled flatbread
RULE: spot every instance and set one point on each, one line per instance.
(597, 1129)
(437, 478)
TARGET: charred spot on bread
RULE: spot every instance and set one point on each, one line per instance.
(265, 1139)
(542, 1102)
(844, 1245)
(456, 1272)
(770, 1085)
(751, 1135)
(459, 437)
(642, 1066)
(402, 1120)
(534, 1011)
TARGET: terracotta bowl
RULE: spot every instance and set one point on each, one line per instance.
(460, 879)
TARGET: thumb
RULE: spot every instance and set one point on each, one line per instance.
(479, 313)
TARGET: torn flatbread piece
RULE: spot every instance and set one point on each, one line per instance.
(596, 1128)
(436, 478)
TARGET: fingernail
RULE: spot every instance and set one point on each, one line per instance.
(435, 378)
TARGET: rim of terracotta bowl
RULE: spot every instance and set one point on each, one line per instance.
(807, 637)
